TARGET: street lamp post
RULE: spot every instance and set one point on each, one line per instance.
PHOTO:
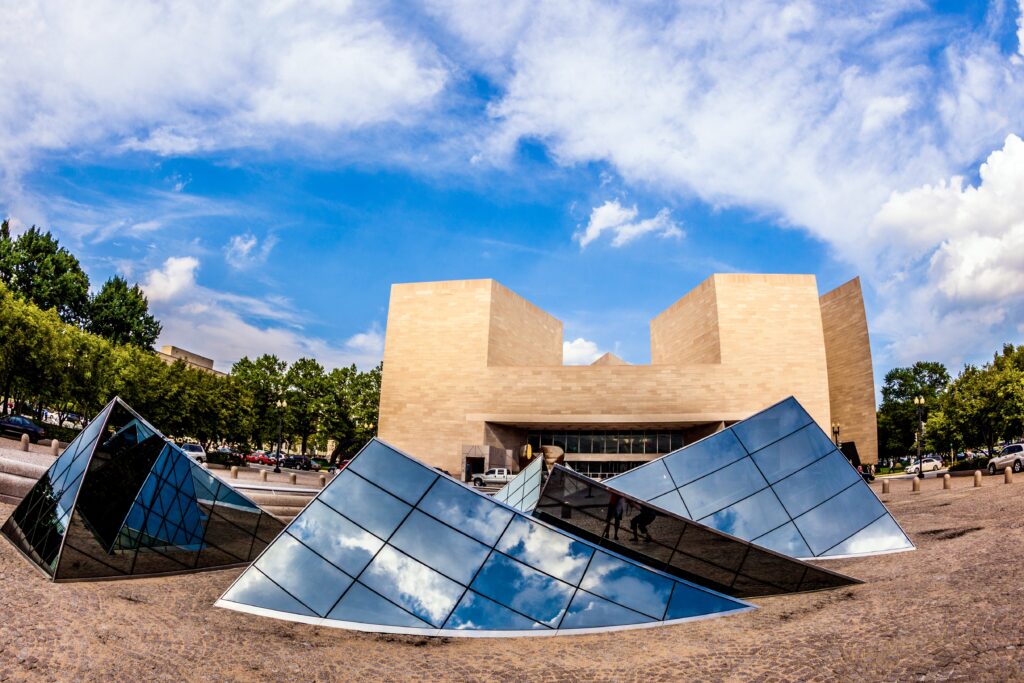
(919, 404)
(835, 433)
(281, 405)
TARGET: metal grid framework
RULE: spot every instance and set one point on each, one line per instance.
(673, 544)
(523, 491)
(123, 501)
(391, 545)
(775, 479)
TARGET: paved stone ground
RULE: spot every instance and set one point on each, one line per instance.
(952, 610)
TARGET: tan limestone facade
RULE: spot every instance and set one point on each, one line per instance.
(469, 363)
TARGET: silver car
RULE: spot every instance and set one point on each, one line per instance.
(927, 465)
(1011, 456)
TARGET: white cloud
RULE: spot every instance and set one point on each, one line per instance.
(177, 275)
(621, 222)
(809, 114)
(963, 247)
(190, 76)
(244, 250)
(580, 351)
(226, 326)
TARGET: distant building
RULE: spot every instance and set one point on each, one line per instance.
(473, 372)
(171, 354)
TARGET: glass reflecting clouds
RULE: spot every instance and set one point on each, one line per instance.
(545, 549)
(456, 562)
(392, 471)
(775, 477)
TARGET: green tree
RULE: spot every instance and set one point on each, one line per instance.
(34, 266)
(307, 391)
(897, 415)
(121, 314)
(263, 380)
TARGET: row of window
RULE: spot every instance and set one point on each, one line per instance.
(638, 442)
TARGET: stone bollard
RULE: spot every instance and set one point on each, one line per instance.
(54, 447)
(234, 471)
(977, 479)
(917, 485)
(323, 481)
(263, 475)
(293, 477)
(947, 482)
(885, 486)
(1007, 475)
(24, 442)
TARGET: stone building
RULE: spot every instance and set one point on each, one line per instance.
(473, 372)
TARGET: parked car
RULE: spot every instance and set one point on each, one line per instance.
(323, 464)
(226, 457)
(297, 462)
(18, 425)
(494, 476)
(194, 451)
(926, 465)
(1012, 455)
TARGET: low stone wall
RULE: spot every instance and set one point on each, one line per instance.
(17, 477)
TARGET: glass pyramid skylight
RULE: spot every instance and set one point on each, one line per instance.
(392, 545)
(122, 500)
(523, 491)
(775, 479)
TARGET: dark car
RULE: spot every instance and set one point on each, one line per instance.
(297, 462)
(18, 425)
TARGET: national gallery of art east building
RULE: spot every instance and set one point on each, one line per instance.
(473, 373)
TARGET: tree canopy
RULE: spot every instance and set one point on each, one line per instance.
(35, 267)
(120, 314)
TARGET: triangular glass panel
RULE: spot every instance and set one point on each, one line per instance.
(430, 554)
(127, 503)
(524, 489)
(775, 477)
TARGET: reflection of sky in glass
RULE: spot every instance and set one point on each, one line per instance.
(590, 611)
(303, 574)
(365, 504)
(758, 431)
(393, 471)
(627, 585)
(438, 546)
(786, 540)
(524, 589)
(253, 588)
(882, 534)
(412, 585)
(476, 612)
(750, 517)
(703, 457)
(834, 520)
(545, 549)
(688, 601)
(790, 454)
(362, 605)
(644, 482)
(336, 538)
(813, 484)
(724, 487)
(466, 511)
(523, 491)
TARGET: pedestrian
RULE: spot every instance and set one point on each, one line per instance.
(646, 516)
(616, 508)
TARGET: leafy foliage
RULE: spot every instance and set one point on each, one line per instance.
(121, 314)
(35, 267)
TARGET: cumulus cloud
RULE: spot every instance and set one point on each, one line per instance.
(621, 221)
(963, 245)
(177, 275)
(580, 351)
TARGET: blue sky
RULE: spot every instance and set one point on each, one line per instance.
(267, 170)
